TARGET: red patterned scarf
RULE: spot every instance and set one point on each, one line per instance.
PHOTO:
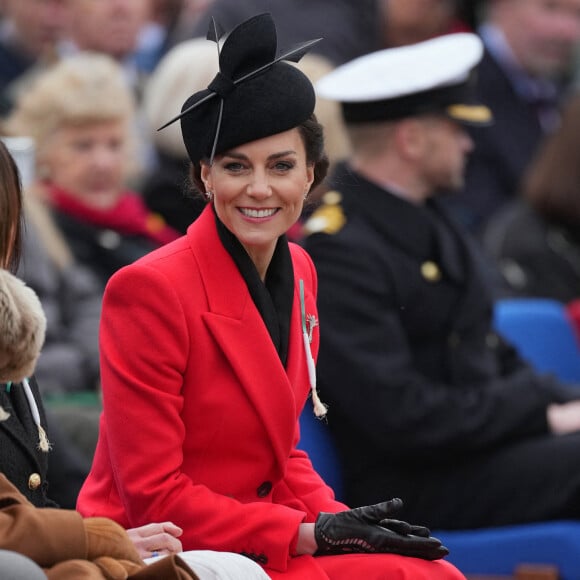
(129, 216)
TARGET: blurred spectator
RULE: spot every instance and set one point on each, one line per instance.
(523, 77)
(156, 32)
(29, 34)
(536, 239)
(111, 27)
(327, 111)
(411, 21)
(71, 299)
(80, 114)
(188, 67)
(69, 293)
(349, 28)
(169, 23)
(191, 12)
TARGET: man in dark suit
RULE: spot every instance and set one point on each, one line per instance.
(426, 401)
(523, 77)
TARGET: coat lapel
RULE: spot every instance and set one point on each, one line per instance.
(20, 426)
(237, 327)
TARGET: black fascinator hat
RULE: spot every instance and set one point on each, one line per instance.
(255, 94)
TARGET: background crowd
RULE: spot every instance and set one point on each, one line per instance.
(84, 87)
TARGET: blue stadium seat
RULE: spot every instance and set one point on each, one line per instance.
(498, 551)
(492, 551)
(542, 332)
(315, 439)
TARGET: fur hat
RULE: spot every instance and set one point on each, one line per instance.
(23, 327)
(254, 95)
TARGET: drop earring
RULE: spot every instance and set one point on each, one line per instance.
(208, 195)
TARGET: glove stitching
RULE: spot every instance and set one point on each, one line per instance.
(359, 543)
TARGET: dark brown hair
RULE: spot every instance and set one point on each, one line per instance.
(10, 211)
(552, 182)
(313, 138)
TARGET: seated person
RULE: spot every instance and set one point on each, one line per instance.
(428, 402)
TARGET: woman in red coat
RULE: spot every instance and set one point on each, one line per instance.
(208, 348)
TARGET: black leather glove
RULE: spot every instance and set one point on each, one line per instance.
(369, 529)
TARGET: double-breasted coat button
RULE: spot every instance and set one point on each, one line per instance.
(34, 481)
(454, 339)
(264, 489)
(430, 271)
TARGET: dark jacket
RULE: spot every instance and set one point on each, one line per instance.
(20, 459)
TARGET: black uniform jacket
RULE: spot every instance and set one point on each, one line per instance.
(21, 461)
(409, 362)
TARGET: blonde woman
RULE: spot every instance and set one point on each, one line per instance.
(81, 115)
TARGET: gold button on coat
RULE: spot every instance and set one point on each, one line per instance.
(34, 481)
(430, 271)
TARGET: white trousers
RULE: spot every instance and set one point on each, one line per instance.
(210, 565)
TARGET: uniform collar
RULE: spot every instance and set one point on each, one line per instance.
(424, 232)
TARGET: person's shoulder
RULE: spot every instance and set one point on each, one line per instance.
(328, 218)
(163, 262)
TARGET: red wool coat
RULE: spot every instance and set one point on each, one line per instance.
(200, 420)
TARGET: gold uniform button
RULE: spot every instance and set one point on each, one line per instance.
(430, 271)
(34, 481)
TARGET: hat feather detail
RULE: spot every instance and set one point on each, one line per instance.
(253, 95)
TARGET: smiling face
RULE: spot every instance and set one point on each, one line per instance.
(258, 191)
(88, 161)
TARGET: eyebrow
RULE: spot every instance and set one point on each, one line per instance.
(235, 155)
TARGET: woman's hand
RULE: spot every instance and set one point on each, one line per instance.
(370, 529)
(564, 418)
(156, 539)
